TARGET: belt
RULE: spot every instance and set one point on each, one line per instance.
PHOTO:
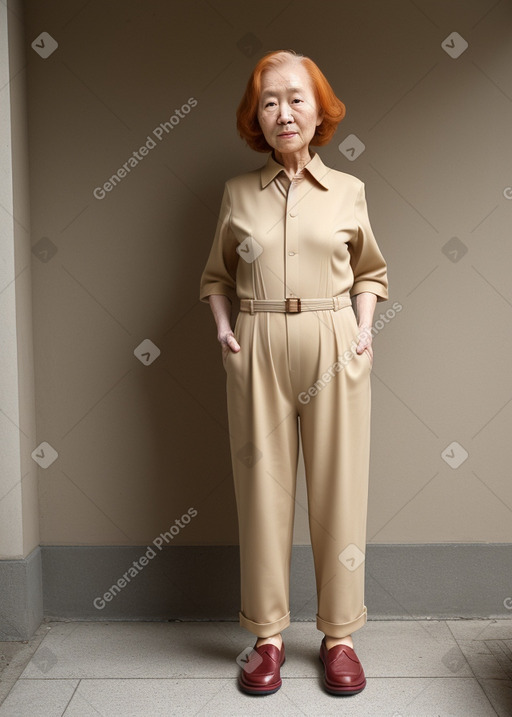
(294, 305)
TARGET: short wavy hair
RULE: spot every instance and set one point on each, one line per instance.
(247, 113)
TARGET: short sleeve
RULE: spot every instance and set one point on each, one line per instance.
(219, 274)
(368, 265)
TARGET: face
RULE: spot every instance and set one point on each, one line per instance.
(287, 111)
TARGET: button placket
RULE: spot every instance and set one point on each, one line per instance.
(291, 278)
(292, 243)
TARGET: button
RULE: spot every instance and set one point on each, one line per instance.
(293, 213)
(291, 253)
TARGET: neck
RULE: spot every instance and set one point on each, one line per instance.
(293, 162)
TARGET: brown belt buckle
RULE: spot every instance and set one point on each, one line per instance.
(292, 305)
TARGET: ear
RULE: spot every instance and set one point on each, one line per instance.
(320, 118)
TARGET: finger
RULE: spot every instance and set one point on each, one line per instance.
(363, 346)
(233, 343)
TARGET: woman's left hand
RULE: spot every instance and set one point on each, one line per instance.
(365, 307)
(365, 341)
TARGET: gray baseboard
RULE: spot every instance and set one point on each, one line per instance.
(403, 582)
(21, 597)
(202, 583)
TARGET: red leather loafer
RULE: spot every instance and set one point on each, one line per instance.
(261, 675)
(344, 674)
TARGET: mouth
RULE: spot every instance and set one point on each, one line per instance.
(287, 134)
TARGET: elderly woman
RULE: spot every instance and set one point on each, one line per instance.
(294, 243)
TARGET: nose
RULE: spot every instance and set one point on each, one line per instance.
(285, 113)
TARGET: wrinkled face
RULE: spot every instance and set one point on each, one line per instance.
(288, 112)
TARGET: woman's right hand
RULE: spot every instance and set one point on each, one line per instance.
(228, 343)
(221, 308)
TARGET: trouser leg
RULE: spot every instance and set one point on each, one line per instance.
(335, 433)
(263, 429)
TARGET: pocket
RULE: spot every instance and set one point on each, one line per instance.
(370, 362)
(356, 335)
(225, 357)
(236, 334)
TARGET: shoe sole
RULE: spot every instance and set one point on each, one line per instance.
(256, 691)
(340, 692)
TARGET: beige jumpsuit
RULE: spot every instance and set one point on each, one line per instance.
(308, 238)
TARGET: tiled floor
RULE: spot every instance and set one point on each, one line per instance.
(433, 668)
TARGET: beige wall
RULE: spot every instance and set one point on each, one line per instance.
(138, 445)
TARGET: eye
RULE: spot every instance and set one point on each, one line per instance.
(269, 103)
(297, 100)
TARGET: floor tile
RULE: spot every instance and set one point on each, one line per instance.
(398, 697)
(499, 694)
(38, 698)
(414, 668)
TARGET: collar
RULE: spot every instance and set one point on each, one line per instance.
(315, 167)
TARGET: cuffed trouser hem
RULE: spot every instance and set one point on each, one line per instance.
(341, 630)
(264, 629)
